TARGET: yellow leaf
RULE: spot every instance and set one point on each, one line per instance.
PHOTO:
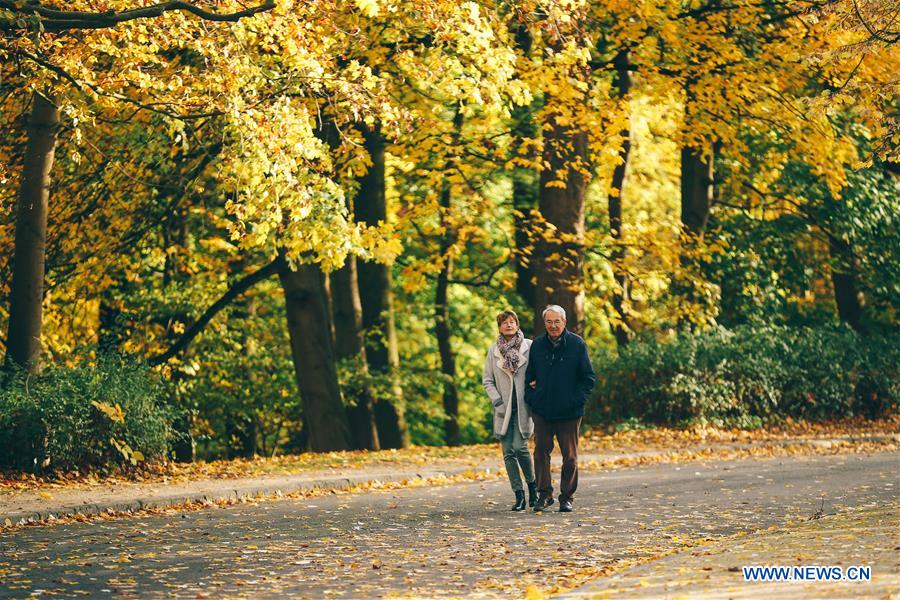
(533, 593)
(114, 413)
(368, 7)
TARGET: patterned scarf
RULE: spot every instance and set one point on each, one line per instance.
(510, 359)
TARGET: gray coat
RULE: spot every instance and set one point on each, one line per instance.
(498, 383)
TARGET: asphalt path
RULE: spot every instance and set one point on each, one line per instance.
(448, 541)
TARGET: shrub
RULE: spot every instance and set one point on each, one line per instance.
(750, 375)
(83, 416)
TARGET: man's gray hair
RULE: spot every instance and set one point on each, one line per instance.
(555, 308)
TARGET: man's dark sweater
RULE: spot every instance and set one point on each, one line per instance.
(564, 377)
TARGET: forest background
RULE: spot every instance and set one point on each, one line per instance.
(235, 228)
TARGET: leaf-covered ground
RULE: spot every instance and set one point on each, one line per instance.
(449, 541)
(596, 441)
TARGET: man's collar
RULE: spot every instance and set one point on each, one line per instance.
(560, 340)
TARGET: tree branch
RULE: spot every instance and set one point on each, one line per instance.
(878, 35)
(81, 85)
(56, 20)
(484, 281)
(233, 292)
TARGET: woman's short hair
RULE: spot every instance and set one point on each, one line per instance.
(506, 314)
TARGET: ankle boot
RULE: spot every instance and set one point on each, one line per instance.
(532, 493)
(520, 501)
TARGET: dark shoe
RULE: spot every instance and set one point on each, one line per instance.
(565, 506)
(520, 501)
(543, 503)
(532, 493)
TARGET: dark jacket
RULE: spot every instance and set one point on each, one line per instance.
(564, 377)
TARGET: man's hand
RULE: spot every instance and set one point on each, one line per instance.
(533, 384)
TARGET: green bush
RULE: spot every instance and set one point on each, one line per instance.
(83, 416)
(750, 375)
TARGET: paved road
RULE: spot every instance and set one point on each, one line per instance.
(457, 540)
(860, 538)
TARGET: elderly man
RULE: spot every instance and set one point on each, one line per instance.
(560, 378)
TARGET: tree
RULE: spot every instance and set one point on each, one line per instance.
(350, 345)
(653, 164)
(565, 174)
(23, 344)
(377, 296)
(697, 173)
(442, 324)
(620, 300)
(311, 347)
(524, 173)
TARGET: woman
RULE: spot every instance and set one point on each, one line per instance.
(504, 382)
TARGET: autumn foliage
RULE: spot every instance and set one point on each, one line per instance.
(304, 215)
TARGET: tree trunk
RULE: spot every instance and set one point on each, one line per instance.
(242, 426)
(525, 195)
(843, 278)
(696, 200)
(313, 355)
(442, 326)
(345, 307)
(697, 195)
(175, 235)
(560, 277)
(525, 200)
(350, 343)
(524, 185)
(696, 189)
(696, 173)
(448, 358)
(377, 299)
(23, 344)
(615, 199)
(110, 333)
(241, 432)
